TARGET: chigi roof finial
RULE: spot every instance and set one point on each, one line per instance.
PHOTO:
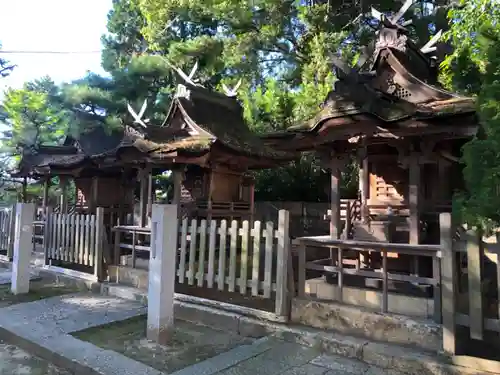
(232, 92)
(138, 117)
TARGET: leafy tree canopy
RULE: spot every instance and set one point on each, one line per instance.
(280, 49)
(474, 68)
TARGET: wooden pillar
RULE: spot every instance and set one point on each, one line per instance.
(45, 199)
(210, 191)
(178, 177)
(94, 194)
(149, 181)
(252, 200)
(24, 198)
(142, 176)
(443, 180)
(336, 166)
(413, 198)
(364, 188)
(63, 199)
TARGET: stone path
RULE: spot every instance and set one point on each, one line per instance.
(47, 324)
(6, 276)
(15, 361)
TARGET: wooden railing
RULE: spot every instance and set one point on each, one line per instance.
(75, 241)
(336, 265)
(216, 209)
(473, 296)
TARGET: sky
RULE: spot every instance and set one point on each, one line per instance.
(55, 25)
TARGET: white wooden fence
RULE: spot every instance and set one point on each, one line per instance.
(7, 224)
(75, 241)
(237, 257)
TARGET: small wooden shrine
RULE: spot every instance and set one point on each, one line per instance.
(204, 141)
(405, 129)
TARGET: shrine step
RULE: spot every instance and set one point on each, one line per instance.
(392, 358)
(423, 334)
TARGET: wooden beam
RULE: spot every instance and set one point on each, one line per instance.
(46, 184)
(413, 198)
(143, 198)
(337, 164)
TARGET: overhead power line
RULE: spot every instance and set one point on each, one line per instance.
(14, 52)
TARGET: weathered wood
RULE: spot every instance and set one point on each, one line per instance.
(211, 254)
(244, 257)
(181, 273)
(221, 276)
(256, 234)
(92, 249)
(385, 284)
(282, 259)
(232, 255)
(78, 253)
(201, 253)
(413, 199)
(448, 272)
(268, 260)
(335, 181)
(99, 244)
(192, 251)
(474, 273)
(47, 230)
(436, 274)
(340, 274)
(87, 240)
(301, 282)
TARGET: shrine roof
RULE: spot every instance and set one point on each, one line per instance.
(194, 125)
(217, 118)
(395, 81)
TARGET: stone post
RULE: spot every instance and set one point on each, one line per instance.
(23, 235)
(162, 266)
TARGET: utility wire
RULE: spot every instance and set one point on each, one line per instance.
(13, 52)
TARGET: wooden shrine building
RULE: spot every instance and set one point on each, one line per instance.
(405, 130)
(204, 141)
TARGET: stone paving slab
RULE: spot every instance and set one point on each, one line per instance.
(6, 277)
(42, 327)
(15, 361)
(69, 313)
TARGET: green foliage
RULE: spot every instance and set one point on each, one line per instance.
(35, 114)
(279, 48)
(474, 67)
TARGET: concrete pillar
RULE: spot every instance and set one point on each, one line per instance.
(162, 265)
(23, 234)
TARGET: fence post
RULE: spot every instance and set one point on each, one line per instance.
(448, 283)
(475, 255)
(23, 236)
(99, 243)
(283, 257)
(47, 232)
(162, 267)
